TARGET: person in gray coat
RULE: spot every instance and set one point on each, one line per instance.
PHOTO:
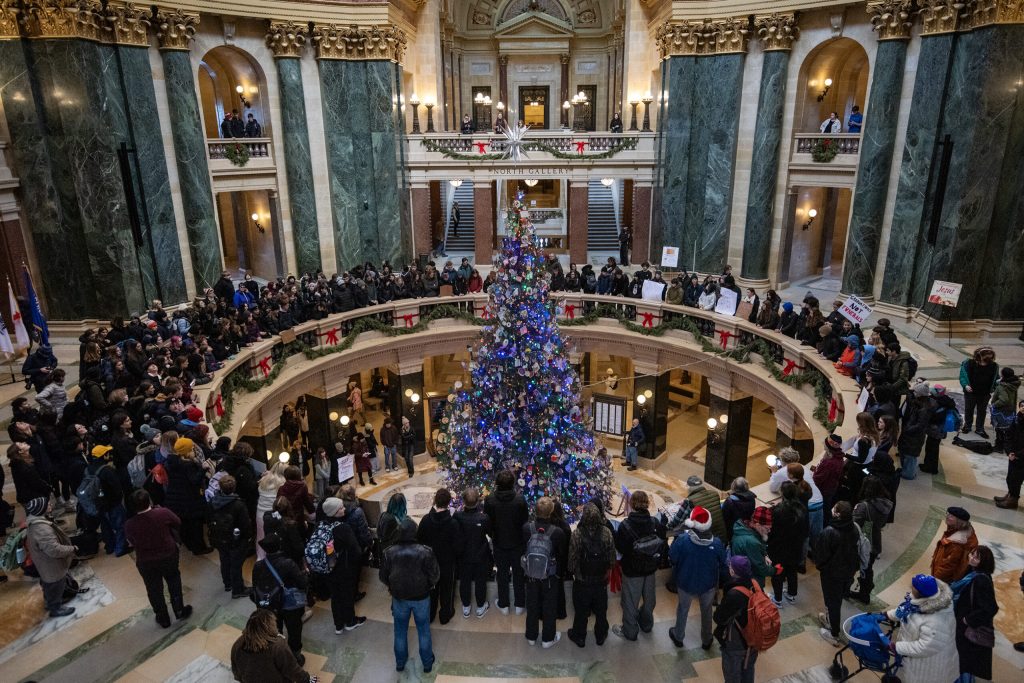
(52, 552)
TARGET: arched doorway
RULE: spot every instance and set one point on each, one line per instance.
(833, 77)
(232, 81)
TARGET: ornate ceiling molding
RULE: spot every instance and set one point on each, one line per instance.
(707, 37)
(776, 31)
(891, 18)
(980, 13)
(287, 39)
(128, 23)
(359, 43)
(940, 16)
(175, 28)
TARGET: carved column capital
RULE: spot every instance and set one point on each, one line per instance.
(707, 37)
(9, 20)
(287, 39)
(175, 28)
(979, 13)
(776, 31)
(564, 59)
(891, 18)
(128, 23)
(359, 43)
(63, 19)
(503, 60)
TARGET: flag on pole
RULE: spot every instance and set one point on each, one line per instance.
(20, 333)
(5, 339)
(38, 319)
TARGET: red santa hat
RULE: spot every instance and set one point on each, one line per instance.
(700, 519)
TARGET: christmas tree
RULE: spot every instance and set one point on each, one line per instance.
(521, 411)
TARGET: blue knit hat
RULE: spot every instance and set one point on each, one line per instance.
(787, 307)
(925, 585)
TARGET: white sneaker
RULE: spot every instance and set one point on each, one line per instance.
(520, 610)
(482, 609)
(791, 599)
(827, 636)
(823, 620)
(465, 611)
(532, 642)
(778, 603)
(503, 610)
(551, 643)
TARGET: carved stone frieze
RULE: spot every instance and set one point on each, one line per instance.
(979, 13)
(359, 42)
(707, 37)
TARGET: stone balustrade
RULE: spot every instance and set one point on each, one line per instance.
(257, 147)
(848, 143)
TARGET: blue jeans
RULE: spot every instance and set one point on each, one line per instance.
(112, 528)
(391, 457)
(420, 611)
(631, 456)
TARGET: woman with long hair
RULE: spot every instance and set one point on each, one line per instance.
(857, 458)
(883, 465)
(974, 604)
(261, 655)
(790, 530)
(391, 521)
(272, 480)
(871, 514)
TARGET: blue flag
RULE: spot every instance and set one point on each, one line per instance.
(38, 319)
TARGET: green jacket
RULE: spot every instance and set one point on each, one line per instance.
(709, 500)
(1004, 398)
(746, 541)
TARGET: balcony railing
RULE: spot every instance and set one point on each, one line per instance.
(848, 143)
(260, 153)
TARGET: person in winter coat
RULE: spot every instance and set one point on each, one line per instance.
(111, 501)
(153, 532)
(974, 606)
(591, 557)
(391, 521)
(837, 560)
(410, 571)
(749, 538)
(731, 618)
(739, 505)
(236, 463)
(440, 533)
(708, 297)
(343, 579)
(849, 360)
(790, 529)
(871, 514)
(364, 465)
(321, 473)
(917, 413)
(473, 553)
(788, 320)
(698, 566)
(635, 438)
(1004, 404)
(949, 560)
(281, 521)
(638, 595)
(28, 482)
(978, 376)
(185, 478)
(542, 594)
(926, 637)
(269, 484)
(407, 439)
(700, 495)
(936, 431)
(389, 438)
(297, 493)
(1015, 465)
(54, 396)
(508, 512)
(52, 553)
(828, 473)
(692, 291)
(260, 655)
(292, 576)
(230, 534)
(39, 365)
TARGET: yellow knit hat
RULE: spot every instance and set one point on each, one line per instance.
(183, 446)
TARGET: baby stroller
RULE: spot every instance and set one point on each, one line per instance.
(869, 636)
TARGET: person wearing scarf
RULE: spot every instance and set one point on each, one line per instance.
(926, 637)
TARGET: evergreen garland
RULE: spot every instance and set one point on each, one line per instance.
(535, 146)
(825, 150)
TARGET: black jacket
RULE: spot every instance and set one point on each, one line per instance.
(731, 615)
(28, 484)
(508, 513)
(409, 569)
(291, 575)
(835, 553)
(736, 507)
(474, 528)
(223, 503)
(636, 526)
(789, 529)
(975, 607)
(440, 532)
(559, 541)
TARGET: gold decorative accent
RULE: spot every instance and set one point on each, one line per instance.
(128, 23)
(63, 19)
(359, 43)
(9, 20)
(987, 12)
(707, 37)
(175, 28)
(777, 31)
(891, 18)
(287, 39)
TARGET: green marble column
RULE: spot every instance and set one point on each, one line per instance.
(193, 171)
(764, 166)
(363, 131)
(298, 165)
(878, 139)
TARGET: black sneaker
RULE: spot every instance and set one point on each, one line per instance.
(966, 430)
(164, 620)
(982, 433)
(678, 642)
(359, 621)
(185, 612)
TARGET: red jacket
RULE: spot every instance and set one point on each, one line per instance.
(828, 473)
(298, 495)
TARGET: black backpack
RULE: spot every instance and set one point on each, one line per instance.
(647, 551)
(912, 366)
(593, 559)
(268, 597)
(221, 525)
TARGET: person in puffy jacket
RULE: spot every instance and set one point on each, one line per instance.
(292, 576)
(828, 473)
(950, 558)
(926, 638)
(410, 571)
(871, 514)
(731, 618)
(917, 413)
(698, 565)
(638, 580)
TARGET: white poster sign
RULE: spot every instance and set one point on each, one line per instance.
(945, 293)
(727, 302)
(670, 257)
(346, 467)
(653, 291)
(855, 310)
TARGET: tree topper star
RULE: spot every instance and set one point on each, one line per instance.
(515, 136)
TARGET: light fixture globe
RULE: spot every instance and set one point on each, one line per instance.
(284, 457)
(415, 398)
(344, 420)
(641, 399)
(724, 419)
(712, 423)
(333, 415)
(607, 182)
(648, 393)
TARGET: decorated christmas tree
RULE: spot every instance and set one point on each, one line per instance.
(521, 410)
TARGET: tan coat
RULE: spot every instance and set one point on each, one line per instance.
(50, 549)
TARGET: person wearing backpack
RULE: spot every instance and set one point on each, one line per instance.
(281, 584)
(410, 571)
(153, 532)
(508, 513)
(345, 558)
(230, 534)
(1015, 462)
(52, 553)
(942, 417)
(732, 619)
(473, 552)
(640, 540)
(698, 565)
(871, 514)
(591, 557)
(109, 499)
(236, 463)
(544, 544)
(837, 557)
(978, 376)
(439, 531)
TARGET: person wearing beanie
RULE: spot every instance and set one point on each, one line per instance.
(828, 473)
(788, 321)
(917, 413)
(936, 432)
(837, 559)
(110, 501)
(738, 505)
(184, 494)
(926, 637)
(978, 376)
(950, 558)
(749, 539)
(831, 344)
(700, 495)
(52, 553)
(343, 579)
(698, 566)
(731, 618)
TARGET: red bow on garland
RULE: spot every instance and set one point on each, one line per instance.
(218, 405)
(724, 336)
(833, 409)
(570, 311)
(481, 147)
(648, 319)
(486, 314)
(789, 367)
(580, 144)
(332, 336)
(264, 365)
(408, 318)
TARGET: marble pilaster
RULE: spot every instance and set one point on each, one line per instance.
(193, 170)
(876, 151)
(298, 165)
(764, 168)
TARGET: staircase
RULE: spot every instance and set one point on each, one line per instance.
(466, 241)
(602, 232)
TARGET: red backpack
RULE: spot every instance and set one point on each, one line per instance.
(763, 622)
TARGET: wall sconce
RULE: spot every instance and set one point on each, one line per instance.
(454, 183)
(414, 400)
(415, 102)
(716, 429)
(270, 455)
(333, 416)
(283, 458)
(344, 420)
(256, 221)
(501, 106)
(811, 215)
(828, 86)
(429, 104)
(634, 103)
(241, 95)
(607, 182)
(647, 99)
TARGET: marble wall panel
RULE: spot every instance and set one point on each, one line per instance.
(678, 82)
(298, 166)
